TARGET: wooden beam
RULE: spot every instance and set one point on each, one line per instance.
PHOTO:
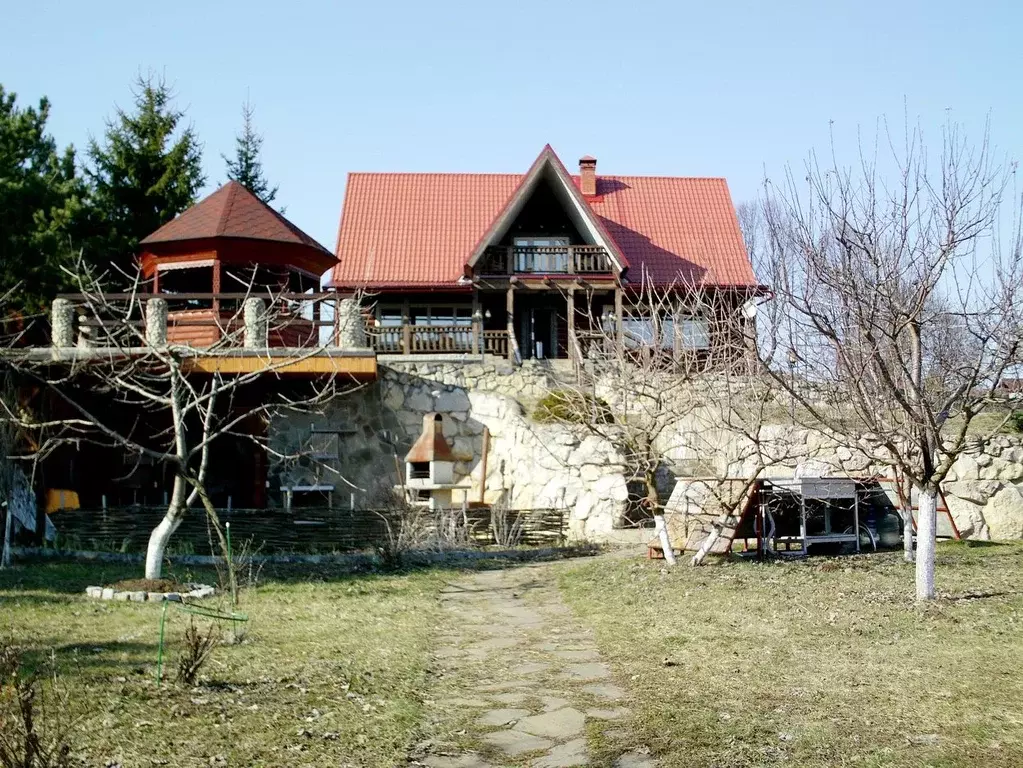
(619, 332)
(363, 367)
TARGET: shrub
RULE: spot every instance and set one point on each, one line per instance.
(35, 728)
(1016, 421)
(506, 525)
(570, 407)
(198, 649)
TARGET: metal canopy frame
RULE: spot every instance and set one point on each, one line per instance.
(822, 489)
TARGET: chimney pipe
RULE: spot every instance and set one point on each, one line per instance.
(588, 175)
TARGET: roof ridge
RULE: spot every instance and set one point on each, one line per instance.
(505, 173)
(231, 187)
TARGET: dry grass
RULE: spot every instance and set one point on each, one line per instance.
(819, 663)
(331, 672)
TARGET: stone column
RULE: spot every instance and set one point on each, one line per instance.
(351, 327)
(254, 314)
(62, 323)
(85, 333)
(156, 323)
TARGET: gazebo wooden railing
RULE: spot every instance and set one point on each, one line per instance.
(208, 319)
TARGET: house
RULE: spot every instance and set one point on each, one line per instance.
(525, 265)
(457, 275)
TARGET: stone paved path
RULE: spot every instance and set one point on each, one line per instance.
(519, 681)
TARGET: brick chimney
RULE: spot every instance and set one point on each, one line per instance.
(588, 175)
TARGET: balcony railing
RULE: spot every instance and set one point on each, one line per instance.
(545, 260)
(437, 339)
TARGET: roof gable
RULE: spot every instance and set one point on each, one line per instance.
(232, 211)
(549, 167)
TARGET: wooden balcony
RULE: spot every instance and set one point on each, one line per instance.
(437, 340)
(545, 260)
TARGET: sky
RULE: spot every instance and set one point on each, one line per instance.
(733, 89)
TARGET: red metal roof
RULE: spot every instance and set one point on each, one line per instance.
(419, 229)
(232, 211)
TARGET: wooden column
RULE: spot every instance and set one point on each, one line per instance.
(510, 308)
(571, 322)
(619, 333)
(477, 325)
(216, 285)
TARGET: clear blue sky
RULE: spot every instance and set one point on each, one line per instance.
(664, 88)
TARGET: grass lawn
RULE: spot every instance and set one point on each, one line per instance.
(331, 672)
(817, 663)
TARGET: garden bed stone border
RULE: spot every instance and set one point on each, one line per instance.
(196, 592)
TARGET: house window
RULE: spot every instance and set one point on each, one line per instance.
(442, 315)
(643, 332)
(389, 316)
(695, 333)
(541, 254)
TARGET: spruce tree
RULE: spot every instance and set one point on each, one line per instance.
(41, 201)
(148, 170)
(246, 168)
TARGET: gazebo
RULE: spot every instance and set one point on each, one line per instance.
(227, 247)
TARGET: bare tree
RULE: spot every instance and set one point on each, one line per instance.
(898, 293)
(125, 364)
(643, 383)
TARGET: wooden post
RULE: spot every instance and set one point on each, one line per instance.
(570, 301)
(216, 289)
(483, 464)
(510, 260)
(406, 338)
(571, 260)
(477, 325)
(619, 332)
(510, 308)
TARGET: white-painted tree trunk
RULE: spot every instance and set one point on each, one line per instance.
(708, 544)
(926, 529)
(906, 513)
(5, 558)
(161, 534)
(907, 535)
(662, 534)
(158, 544)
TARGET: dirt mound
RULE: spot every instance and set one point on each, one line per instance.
(150, 585)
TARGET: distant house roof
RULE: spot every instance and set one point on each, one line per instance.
(233, 212)
(421, 229)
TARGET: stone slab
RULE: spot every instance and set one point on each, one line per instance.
(565, 723)
(513, 742)
(567, 755)
(502, 716)
(590, 671)
(605, 691)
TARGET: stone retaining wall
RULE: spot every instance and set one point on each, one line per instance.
(533, 465)
(530, 465)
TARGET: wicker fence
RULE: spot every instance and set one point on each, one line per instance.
(319, 530)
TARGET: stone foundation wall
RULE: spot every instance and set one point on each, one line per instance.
(529, 465)
(533, 465)
(984, 488)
